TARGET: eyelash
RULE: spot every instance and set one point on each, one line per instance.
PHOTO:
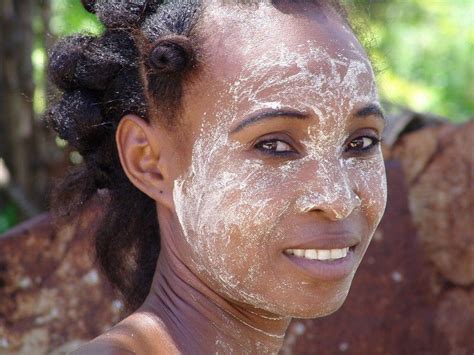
(259, 146)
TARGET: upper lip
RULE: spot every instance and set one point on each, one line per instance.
(326, 241)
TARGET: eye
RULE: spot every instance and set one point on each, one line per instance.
(274, 147)
(363, 143)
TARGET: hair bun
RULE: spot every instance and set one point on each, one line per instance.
(171, 54)
(77, 118)
(64, 58)
(103, 58)
(123, 13)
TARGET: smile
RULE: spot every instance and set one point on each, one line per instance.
(319, 254)
(324, 264)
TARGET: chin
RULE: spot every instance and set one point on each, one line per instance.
(326, 310)
(319, 311)
(321, 304)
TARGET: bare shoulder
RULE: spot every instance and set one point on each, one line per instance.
(139, 333)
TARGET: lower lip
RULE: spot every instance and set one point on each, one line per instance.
(326, 269)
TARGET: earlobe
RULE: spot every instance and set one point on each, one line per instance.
(140, 154)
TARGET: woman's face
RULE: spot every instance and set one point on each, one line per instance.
(281, 182)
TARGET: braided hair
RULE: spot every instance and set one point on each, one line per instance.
(148, 50)
(143, 56)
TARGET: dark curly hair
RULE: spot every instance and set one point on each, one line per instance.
(149, 49)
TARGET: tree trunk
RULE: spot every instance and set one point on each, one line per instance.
(22, 136)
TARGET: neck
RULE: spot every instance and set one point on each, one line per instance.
(200, 320)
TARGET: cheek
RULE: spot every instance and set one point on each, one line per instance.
(371, 185)
(234, 195)
(230, 212)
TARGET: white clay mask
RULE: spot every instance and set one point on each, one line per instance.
(236, 212)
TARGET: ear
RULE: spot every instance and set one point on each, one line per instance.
(140, 147)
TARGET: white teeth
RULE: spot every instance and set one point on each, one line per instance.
(324, 254)
(310, 254)
(299, 252)
(319, 254)
(336, 253)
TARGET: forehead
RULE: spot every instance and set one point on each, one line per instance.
(260, 56)
(238, 34)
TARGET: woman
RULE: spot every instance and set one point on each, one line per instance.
(237, 140)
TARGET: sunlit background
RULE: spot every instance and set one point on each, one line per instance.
(424, 50)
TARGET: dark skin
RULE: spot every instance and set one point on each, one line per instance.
(244, 299)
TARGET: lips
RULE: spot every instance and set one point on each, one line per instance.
(328, 257)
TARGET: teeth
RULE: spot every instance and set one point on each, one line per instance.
(311, 254)
(299, 252)
(324, 254)
(319, 254)
(336, 253)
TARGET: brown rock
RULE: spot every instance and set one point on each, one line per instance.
(455, 320)
(416, 149)
(441, 203)
(51, 293)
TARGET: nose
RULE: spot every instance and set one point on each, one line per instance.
(329, 191)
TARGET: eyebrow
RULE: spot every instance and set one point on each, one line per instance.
(269, 114)
(370, 110)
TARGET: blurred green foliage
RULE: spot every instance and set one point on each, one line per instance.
(69, 17)
(424, 53)
(8, 217)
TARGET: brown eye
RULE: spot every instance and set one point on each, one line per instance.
(274, 147)
(363, 143)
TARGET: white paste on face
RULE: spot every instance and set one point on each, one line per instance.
(231, 209)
